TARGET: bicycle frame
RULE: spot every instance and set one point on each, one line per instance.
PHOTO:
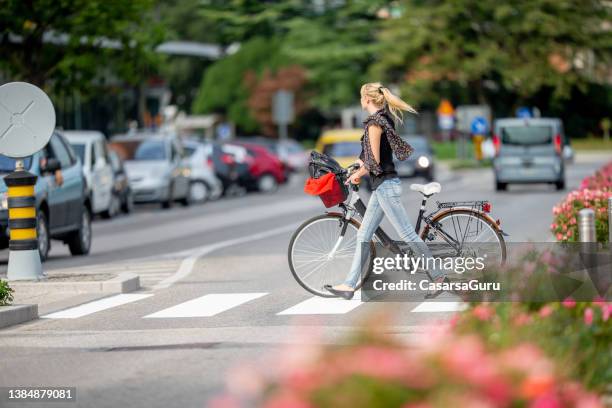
(356, 205)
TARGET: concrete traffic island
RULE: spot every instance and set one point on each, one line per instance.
(75, 284)
(62, 289)
(15, 314)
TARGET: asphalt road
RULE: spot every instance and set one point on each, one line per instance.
(218, 293)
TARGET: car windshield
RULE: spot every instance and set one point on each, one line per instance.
(7, 164)
(140, 149)
(419, 145)
(343, 149)
(189, 150)
(527, 135)
(79, 149)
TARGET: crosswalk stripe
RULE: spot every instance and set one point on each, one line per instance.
(428, 307)
(320, 305)
(207, 305)
(96, 306)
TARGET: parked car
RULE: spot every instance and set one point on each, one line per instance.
(63, 207)
(237, 161)
(344, 145)
(528, 151)
(121, 187)
(205, 185)
(156, 166)
(91, 148)
(266, 171)
(290, 152)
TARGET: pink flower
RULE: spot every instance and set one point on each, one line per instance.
(559, 236)
(549, 400)
(569, 303)
(483, 312)
(605, 312)
(588, 316)
(529, 267)
(546, 311)
(522, 319)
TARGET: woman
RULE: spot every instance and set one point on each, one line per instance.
(378, 144)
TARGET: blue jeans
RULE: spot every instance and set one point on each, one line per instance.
(386, 200)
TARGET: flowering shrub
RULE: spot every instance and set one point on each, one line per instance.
(6, 293)
(449, 371)
(565, 222)
(593, 193)
(575, 334)
(601, 180)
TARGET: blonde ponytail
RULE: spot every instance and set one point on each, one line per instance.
(383, 97)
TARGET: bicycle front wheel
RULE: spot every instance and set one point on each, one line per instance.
(321, 252)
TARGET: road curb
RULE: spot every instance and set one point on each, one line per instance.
(15, 314)
(122, 283)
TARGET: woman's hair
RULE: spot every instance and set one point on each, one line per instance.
(382, 96)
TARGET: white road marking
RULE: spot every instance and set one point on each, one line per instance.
(320, 305)
(188, 263)
(96, 306)
(429, 307)
(207, 305)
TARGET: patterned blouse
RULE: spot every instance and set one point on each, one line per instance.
(400, 147)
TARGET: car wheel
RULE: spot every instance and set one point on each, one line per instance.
(267, 183)
(501, 186)
(198, 192)
(560, 185)
(80, 240)
(42, 231)
(113, 207)
(167, 203)
(429, 176)
(128, 205)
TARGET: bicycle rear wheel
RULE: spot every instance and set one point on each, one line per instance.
(475, 234)
(321, 251)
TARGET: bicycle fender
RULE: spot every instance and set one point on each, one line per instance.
(496, 223)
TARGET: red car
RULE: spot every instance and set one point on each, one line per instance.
(266, 171)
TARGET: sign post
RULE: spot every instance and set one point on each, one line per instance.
(27, 119)
(282, 111)
(479, 128)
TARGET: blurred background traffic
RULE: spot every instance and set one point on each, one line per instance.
(181, 102)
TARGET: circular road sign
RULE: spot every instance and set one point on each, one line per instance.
(27, 119)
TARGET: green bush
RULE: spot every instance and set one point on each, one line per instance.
(6, 293)
(577, 335)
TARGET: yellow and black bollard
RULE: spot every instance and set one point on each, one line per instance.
(24, 258)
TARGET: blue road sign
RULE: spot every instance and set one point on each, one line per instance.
(524, 112)
(479, 126)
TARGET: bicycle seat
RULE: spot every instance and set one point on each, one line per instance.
(427, 189)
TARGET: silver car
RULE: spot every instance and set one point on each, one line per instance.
(205, 185)
(420, 163)
(157, 168)
(528, 151)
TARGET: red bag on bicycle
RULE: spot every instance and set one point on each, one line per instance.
(328, 188)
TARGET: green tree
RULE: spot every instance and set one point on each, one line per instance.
(520, 47)
(333, 41)
(224, 90)
(76, 45)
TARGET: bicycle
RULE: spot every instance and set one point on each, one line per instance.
(321, 249)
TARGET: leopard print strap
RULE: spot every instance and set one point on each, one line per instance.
(400, 147)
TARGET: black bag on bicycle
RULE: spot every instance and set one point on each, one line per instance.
(321, 164)
(318, 166)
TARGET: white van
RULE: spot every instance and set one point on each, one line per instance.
(91, 147)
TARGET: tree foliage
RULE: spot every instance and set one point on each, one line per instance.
(224, 90)
(332, 41)
(66, 45)
(521, 47)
